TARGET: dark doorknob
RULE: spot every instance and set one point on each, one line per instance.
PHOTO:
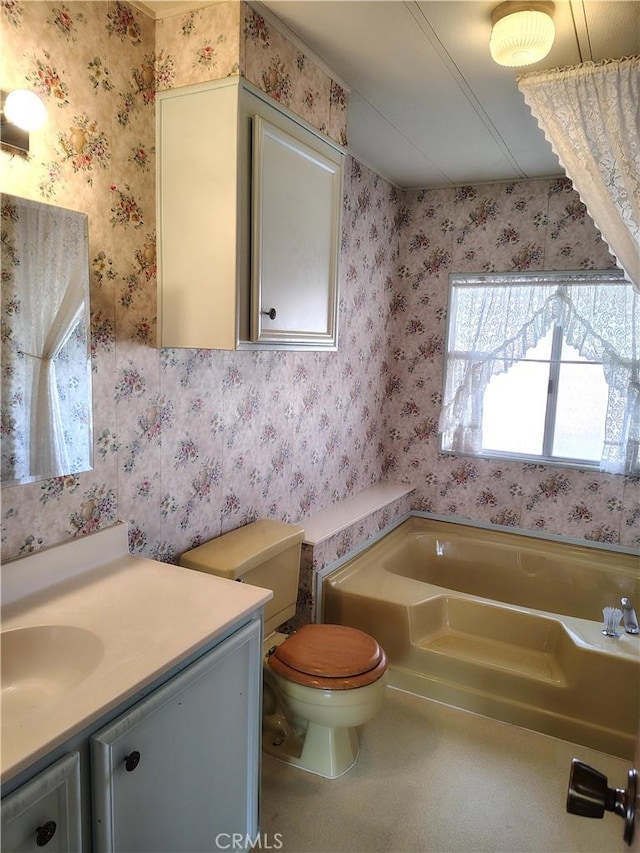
(131, 761)
(589, 795)
(45, 833)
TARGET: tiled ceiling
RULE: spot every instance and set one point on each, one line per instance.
(428, 107)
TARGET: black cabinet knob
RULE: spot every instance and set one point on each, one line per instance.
(131, 761)
(45, 833)
(271, 314)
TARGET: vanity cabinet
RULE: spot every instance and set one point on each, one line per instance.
(249, 201)
(45, 812)
(180, 769)
(175, 771)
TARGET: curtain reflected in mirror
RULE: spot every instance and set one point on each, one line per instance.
(46, 369)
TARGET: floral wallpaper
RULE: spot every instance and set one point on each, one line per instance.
(525, 225)
(230, 38)
(188, 443)
(192, 443)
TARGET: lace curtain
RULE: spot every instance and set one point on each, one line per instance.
(590, 114)
(496, 319)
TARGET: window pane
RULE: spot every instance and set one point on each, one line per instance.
(495, 316)
(514, 409)
(580, 415)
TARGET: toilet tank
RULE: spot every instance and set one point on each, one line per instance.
(266, 554)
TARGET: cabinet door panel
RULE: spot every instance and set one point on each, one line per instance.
(197, 220)
(181, 767)
(296, 198)
(44, 814)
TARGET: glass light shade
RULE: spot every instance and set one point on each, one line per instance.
(24, 109)
(522, 38)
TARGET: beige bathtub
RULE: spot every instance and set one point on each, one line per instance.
(501, 624)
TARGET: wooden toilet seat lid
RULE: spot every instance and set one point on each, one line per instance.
(329, 656)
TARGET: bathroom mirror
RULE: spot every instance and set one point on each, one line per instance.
(46, 367)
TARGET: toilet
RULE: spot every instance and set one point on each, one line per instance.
(319, 683)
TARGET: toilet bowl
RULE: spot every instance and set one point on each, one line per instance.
(326, 680)
(321, 682)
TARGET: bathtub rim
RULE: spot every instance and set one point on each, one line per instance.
(321, 575)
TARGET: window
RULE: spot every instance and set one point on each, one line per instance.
(545, 368)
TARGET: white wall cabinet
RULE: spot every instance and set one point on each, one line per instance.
(45, 812)
(179, 771)
(249, 202)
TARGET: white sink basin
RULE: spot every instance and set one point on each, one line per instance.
(42, 662)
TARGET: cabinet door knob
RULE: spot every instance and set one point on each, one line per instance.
(45, 833)
(131, 761)
(271, 313)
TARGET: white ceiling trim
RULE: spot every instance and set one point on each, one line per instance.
(445, 57)
(159, 9)
(380, 170)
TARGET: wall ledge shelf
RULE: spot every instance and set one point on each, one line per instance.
(336, 518)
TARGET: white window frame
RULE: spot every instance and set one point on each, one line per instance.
(527, 279)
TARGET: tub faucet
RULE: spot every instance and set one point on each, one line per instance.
(629, 618)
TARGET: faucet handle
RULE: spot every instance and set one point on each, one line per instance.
(629, 618)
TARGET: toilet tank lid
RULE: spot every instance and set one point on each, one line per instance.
(235, 553)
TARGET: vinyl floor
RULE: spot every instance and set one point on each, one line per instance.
(434, 778)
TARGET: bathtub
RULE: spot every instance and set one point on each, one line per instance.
(501, 624)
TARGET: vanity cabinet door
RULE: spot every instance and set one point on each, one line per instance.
(45, 812)
(181, 769)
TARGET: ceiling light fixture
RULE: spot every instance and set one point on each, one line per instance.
(22, 112)
(522, 33)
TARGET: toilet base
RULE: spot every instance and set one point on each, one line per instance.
(322, 750)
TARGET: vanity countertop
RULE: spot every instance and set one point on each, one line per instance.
(143, 617)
